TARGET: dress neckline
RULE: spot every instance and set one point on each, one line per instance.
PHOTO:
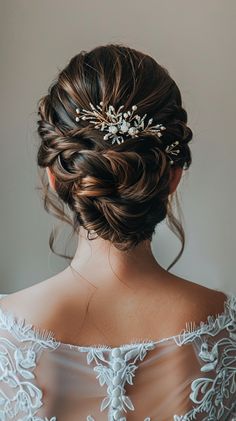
(23, 330)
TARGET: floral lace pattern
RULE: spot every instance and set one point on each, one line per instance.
(18, 363)
(115, 372)
(209, 394)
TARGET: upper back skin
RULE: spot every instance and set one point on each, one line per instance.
(115, 315)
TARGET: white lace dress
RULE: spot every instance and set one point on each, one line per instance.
(190, 376)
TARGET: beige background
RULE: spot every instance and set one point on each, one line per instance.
(195, 41)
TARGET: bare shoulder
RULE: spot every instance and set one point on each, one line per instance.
(45, 303)
(30, 302)
(201, 301)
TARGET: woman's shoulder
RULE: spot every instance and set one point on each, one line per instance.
(43, 303)
(196, 302)
(211, 302)
(203, 298)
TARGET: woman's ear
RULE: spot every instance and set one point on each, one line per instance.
(176, 173)
(51, 178)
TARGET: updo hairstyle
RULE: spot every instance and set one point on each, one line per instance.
(121, 191)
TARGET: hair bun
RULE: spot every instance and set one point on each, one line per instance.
(115, 191)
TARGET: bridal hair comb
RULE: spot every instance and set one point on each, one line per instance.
(118, 124)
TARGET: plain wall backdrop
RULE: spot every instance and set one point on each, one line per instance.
(195, 41)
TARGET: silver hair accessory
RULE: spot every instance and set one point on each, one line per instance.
(118, 124)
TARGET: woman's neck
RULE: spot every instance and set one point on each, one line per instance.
(101, 260)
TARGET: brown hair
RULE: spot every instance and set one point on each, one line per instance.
(120, 191)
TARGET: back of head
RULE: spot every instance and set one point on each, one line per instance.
(119, 190)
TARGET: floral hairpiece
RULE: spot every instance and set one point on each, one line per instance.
(118, 124)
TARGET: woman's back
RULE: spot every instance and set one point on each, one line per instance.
(115, 312)
(128, 376)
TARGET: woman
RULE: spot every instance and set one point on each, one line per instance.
(115, 336)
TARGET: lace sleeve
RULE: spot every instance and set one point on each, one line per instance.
(20, 350)
(213, 390)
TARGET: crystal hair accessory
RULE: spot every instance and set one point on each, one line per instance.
(119, 124)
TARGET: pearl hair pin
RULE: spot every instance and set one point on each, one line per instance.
(118, 124)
